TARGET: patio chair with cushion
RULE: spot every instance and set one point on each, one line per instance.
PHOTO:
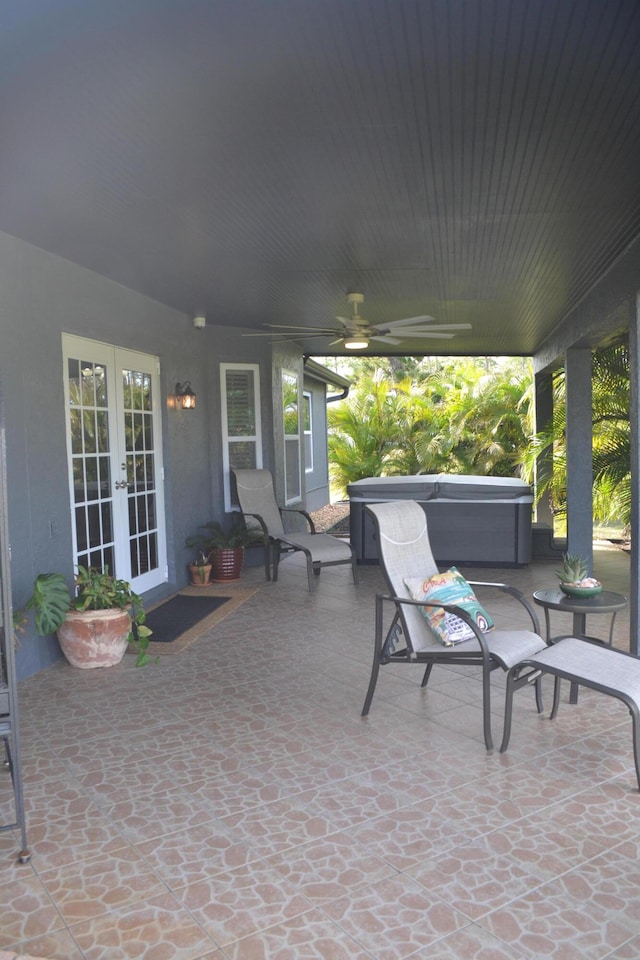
(258, 504)
(436, 618)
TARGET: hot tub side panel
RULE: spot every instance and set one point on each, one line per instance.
(492, 530)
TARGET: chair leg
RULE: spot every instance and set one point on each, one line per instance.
(377, 653)
(267, 560)
(276, 559)
(508, 709)
(427, 674)
(486, 705)
(354, 568)
(556, 698)
(310, 570)
(636, 740)
(538, 686)
(375, 670)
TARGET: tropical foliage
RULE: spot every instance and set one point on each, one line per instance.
(475, 416)
(462, 416)
(611, 439)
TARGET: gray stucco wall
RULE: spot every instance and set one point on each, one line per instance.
(43, 296)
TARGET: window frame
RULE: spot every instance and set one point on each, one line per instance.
(227, 440)
(291, 438)
(307, 399)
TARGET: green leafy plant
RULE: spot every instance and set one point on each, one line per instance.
(94, 590)
(574, 569)
(216, 537)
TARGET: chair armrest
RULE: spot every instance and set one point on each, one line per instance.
(256, 516)
(303, 513)
(516, 594)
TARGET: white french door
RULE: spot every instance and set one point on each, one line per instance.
(114, 449)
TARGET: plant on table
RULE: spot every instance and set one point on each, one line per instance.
(573, 574)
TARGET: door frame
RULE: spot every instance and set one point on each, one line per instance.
(117, 358)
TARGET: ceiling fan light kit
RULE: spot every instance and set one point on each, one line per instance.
(356, 343)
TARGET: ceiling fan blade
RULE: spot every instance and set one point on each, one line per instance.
(262, 333)
(283, 338)
(451, 326)
(423, 335)
(386, 339)
(301, 331)
(411, 332)
(409, 320)
(296, 326)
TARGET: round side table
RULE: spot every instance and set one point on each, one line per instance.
(579, 607)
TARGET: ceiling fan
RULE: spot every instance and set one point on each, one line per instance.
(354, 332)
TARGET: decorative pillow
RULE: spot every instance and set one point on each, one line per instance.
(450, 587)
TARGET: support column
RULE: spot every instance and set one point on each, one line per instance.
(579, 441)
(543, 414)
(634, 417)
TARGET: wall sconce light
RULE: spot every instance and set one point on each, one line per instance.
(185, 397)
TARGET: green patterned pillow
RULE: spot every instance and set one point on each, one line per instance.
(450, 587)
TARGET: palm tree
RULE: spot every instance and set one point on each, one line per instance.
(612, 433)
(466, 417)
(611, 439)
(371, 434)
(483, 412)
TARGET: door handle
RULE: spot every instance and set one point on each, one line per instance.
(121, 484)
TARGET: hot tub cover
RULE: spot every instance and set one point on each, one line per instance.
(441, 486)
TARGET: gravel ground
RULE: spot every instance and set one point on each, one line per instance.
(334, 518)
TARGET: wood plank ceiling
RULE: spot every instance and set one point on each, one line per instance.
(252, 160)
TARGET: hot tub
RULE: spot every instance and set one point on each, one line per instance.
(483, 521)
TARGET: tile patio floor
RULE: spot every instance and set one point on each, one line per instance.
(231, 804)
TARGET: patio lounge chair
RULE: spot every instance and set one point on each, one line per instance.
(258, 505)
(405, 556)
(590, 664)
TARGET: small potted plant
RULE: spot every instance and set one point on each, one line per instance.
(96, 623)
(224, 548)
(200, 570)
(573, 577)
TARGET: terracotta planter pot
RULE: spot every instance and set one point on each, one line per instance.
(226, 563)
(200, 574)
(94, 638)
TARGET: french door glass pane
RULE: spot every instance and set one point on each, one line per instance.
(89, 434)
(141, 494)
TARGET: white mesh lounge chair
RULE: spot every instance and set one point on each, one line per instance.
(259, 508)
(405, 553)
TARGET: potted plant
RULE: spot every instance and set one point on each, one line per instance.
(200, 570)
(95, 624)
(573, 577)
(224, 548)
